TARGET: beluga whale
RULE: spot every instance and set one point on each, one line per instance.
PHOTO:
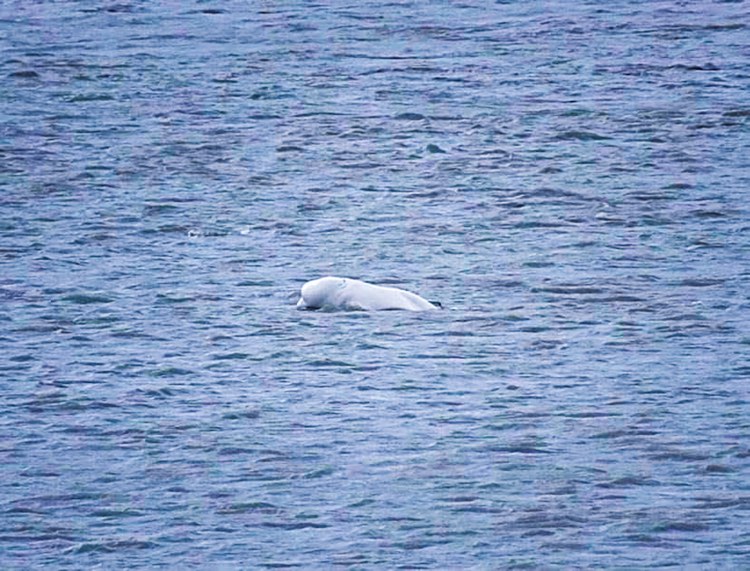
(331, 293)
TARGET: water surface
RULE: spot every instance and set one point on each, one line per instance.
(569, 181)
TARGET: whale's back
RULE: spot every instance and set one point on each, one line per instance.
(349, 294)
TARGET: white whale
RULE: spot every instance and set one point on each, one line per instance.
(332, 293)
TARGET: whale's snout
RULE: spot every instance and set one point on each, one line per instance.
(302, 305)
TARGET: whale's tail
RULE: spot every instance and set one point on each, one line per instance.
(437, 304)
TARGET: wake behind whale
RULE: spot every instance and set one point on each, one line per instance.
(334, 293)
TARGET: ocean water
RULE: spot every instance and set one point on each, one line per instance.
(570, 180)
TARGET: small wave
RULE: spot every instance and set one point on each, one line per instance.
(112, 546)
(581, 136)
(87, 298)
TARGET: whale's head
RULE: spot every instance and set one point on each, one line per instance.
(320, 293)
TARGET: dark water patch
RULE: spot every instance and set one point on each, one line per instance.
(569, 290)
(294, 525)
(264, 117)
(719, 469)
(87, 298)
(679, 186)
(159, 209)
(550, 521)
(679, 456)
(709, 214)
(622, 298)
(319, 473)
(700, 282)
(236, 451)
(90, 97)
(115, 514)
(39, 473)
(409, 116)
(251, 507)
(680, 526)
(625, 433)
(116, 546)
(238, 355)
(256, 283)
(168, 229)
(541, 224)
(518, 449)
(581, 136)
(539, 264)
(246, 414)
(60, 401)
(328, 364)
(713, 503)
(737, 113)
(129, 334)
(651, 196)
(590, 414)
(628, 482)
(174, 298)
(212, 11)
(418, 544)
(649, 540)
(24, 74)
(170, 372)
(477, 509)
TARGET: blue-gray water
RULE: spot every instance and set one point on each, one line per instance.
(571, 180)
